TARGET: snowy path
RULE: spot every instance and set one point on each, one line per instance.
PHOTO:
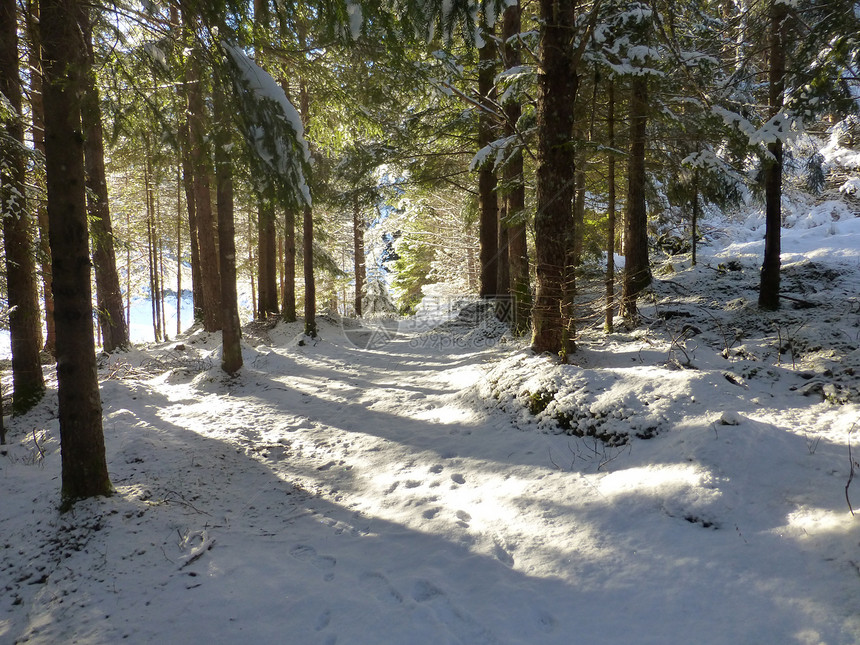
(341, 495)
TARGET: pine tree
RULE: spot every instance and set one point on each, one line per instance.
(637, 270)
(558, 82)
(514, 184)
(108, 291)
(84, 467)
(37, 114)
(487, 198)
(231, 333)
(201, 168)
(24, 322)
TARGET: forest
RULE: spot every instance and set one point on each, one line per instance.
(511, 321)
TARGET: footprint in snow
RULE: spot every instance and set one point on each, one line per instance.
(425, 590)
(378, 585)
(546, 622)
(502, 554)
(430, 513)
(323, 620)
(438, 468)
(392, 488)
(458, 479)
(461, 624)
(412, 484)
(306, 553)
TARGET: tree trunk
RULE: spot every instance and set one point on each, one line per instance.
(38, 118)
(308, 236)
(289, 298)
(768, 295)
(281, 267)
(610, 208)
(206, 240)
(358, 248)
(191, 207)
(503, 277)
(231, 332)
(178, 252)
(159, 247)
(487, 198)
(25, 325)
(694, 225)
(267, 268)
(128, 273)
(251, 262)
(152, 241)
(515, 193)
(153, 280)
(580, 183)
(557, 87)
(637, 272)
(84, 468)
(308, 264)
(108, 291)
(578, 208)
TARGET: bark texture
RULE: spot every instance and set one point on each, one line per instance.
(515, 193)
(610, 209)
(637, 271)
(289, 297)
(231, 331)
(84, 468)
(557, 88)
(768, 294)
(108, 292)
(191, 207)
(210, 280)
(488, 201)
(37, 113)
(25, 324)
(308, 236)
(267, 261)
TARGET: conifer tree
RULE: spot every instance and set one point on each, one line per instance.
(108, 293)
(201, 168)
(84, 467)
(24, 321)
(231, 333)
(37, 115)
(558, 81)
(487, 198)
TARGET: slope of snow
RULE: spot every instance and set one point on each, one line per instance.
(390, 484)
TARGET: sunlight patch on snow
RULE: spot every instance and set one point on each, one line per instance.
(653, 478)
(462, 377)
(814, 521)
(447, 415)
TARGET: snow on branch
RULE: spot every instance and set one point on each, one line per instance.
(273, 126)
(493, 153)
(781, 126)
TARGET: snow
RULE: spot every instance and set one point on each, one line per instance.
(356, 19)
(261, 84)
(402, 491)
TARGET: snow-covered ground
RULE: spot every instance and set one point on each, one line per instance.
(422, 482)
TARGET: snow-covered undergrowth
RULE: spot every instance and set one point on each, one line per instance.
(420, 481)
(705, 336)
